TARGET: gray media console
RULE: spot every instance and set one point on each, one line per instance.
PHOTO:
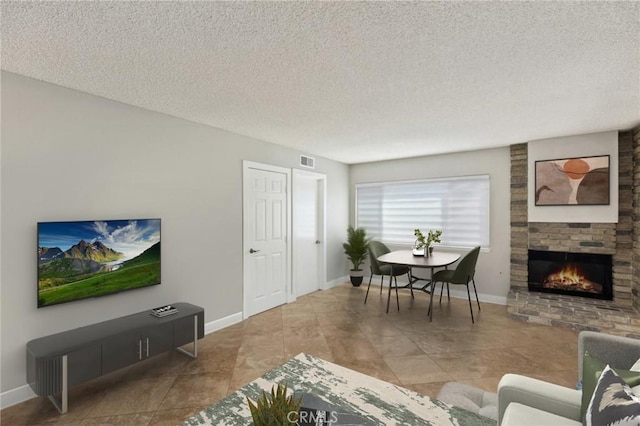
(56, 362)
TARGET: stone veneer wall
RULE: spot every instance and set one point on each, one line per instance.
(619, 316)
(635, 263)
(519, 216)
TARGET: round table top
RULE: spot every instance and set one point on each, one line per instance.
(406, 257)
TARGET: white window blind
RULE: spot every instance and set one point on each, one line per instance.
(390, 211)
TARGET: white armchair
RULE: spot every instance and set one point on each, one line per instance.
(526, 401)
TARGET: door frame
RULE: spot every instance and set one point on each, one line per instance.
(246, 165)
(321, 179)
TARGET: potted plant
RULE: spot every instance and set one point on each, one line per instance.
(427, 242)
(356, 250)
(275, 408)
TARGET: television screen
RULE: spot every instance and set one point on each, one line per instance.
(77, 260)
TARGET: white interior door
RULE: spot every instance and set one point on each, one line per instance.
(265, 222)
(308, 232)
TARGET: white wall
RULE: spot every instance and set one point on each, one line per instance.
(67, 155)
(588, 145)
(492, 275)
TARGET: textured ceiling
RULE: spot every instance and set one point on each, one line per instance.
(351, 81)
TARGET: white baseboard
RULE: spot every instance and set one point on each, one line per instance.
(490, 298)
(16, 396)
(462, 294)
(221, 323)
(336, 282)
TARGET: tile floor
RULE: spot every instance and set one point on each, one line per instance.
(401, 347)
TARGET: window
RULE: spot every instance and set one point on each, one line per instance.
(390, 211)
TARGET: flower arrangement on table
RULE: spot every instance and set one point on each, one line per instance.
(426, 242)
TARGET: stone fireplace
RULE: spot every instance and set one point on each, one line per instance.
(616, 312)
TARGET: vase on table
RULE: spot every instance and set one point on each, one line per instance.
(428, 251)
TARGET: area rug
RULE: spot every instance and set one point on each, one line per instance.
(375, 400)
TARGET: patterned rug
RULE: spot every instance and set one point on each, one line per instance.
(375, 400)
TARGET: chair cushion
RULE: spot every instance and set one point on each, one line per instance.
(518, 414)
(397, 270)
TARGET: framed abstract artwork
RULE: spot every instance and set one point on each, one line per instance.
(576, 181)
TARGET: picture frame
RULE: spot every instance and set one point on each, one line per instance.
(574, 181)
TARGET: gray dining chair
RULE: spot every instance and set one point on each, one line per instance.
(377, 249)
(462, 275)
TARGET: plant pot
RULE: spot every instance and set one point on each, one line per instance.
(356, 277)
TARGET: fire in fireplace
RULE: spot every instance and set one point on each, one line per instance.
(577, 274)
(571, 277)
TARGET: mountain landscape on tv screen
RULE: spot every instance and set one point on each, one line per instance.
(88, 269)
(83, 250)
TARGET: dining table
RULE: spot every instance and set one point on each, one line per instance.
(436, 259)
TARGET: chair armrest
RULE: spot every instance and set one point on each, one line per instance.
(617, 351)
(535, 393)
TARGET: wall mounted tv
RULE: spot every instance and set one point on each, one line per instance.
(82, 259)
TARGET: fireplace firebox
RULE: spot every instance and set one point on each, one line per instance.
(575, 274)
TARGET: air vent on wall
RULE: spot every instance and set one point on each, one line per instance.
(307, 161)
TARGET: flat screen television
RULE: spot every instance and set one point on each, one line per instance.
(82, 259)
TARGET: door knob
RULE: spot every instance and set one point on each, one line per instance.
(317, 241)
(253, 251)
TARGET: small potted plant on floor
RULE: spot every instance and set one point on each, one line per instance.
(356, 250)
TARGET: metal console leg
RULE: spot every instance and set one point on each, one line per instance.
(63, 404)
(194, 353)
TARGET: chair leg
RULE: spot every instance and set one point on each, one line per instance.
(433, 285)
(470, 307)
(368, 287)
(448, 296)
(441, 291)
(381, 283)
(410, 286)
(397, 297)
(476, 291)
(389, 295)
(430, 311)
